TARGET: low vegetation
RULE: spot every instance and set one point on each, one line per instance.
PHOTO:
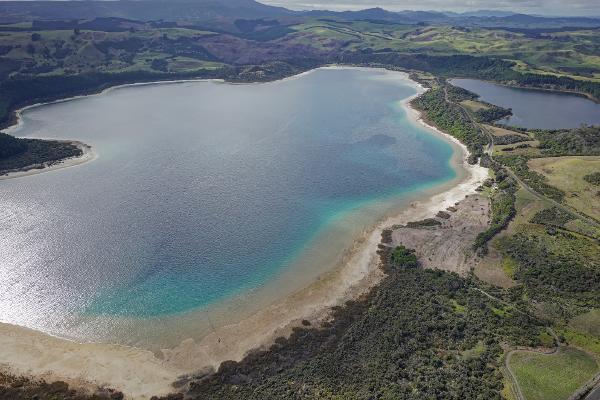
(552, 216)
(518, 164)
(583, 331)
(419, 334)
(557, 266)
(552, 377)
(593, 178)
(588, 322)
(574, 175)
(403, 257)
(581, 339)
(20, 388)
(503, 207)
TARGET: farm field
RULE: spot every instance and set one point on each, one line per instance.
(567, 174)
(552, 377)
(533, 276)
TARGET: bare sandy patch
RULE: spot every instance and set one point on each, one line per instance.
(140, 373)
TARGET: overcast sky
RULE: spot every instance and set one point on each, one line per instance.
(550, 7)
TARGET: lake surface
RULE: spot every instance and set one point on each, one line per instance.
(201, 191)
(536, 108)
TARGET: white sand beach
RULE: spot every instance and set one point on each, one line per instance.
(140, 373)
(87, 155)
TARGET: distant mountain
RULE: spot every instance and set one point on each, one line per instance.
(479, 16)
(424, 16)
(376, 13)
(532, 22)
(380, 14)
(218, 11)
(170, 10)
(486, 13)
(482, 18)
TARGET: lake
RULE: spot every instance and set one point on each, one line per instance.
(203, 191)
(536, 108)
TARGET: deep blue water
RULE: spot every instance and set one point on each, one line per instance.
(536, 108)
(201, 190)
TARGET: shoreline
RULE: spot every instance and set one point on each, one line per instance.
(87, 155)
(534, 88)
(18, 113)
(152, 375)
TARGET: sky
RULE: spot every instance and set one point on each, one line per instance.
(538, 7)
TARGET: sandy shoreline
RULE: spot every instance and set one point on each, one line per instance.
(87, 155)
(141, 374)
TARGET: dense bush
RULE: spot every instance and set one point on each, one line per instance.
(419, 335)
(593, 178)
(21, 388)
(518, 164)
(489, 114)
(35, 152)
(509, 139)
(492, 113)
(552, 216)
(450, 118)
(584, 140)
(558, 83)
(562, 264)
(458, 94)
(482, 67)
(452, 65)
(401, 256)
(159, 64)
(10, 146)
(502, 208)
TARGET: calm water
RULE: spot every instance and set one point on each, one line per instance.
(201, 191)
(536, 108)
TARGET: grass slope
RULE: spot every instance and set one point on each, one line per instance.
(552, 377)
(567, 174)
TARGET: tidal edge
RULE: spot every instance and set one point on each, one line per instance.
(140, 373)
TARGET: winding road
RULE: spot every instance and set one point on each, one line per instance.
(591, 390)
(490, 152)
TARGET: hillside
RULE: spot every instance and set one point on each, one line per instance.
(522, 318)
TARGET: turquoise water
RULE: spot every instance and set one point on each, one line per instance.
(201, 191)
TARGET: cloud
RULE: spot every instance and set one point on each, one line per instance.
(550, 7)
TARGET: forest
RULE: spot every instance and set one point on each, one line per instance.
(48, 59)
(17, 154)
(451, 119)
(583, 141)
(420, 334)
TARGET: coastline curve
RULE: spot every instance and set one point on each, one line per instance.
(357, 273)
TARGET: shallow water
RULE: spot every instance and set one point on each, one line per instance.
(201, 191)
(536, 108)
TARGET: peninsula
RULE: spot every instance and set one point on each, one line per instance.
(413, 241)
